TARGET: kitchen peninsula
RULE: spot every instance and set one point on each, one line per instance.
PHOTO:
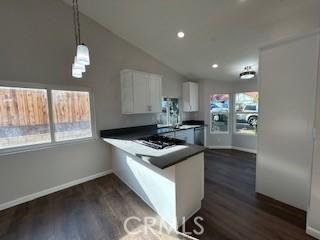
(169, 180)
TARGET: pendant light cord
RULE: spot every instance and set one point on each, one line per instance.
(76, 21)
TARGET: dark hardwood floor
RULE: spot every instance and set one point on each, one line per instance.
(233, 211)
(97, 209)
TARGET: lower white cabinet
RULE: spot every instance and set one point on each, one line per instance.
(186, 135)
(140, 92)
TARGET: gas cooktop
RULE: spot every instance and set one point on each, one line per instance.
(159, 142)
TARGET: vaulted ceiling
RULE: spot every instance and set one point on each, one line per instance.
(226, 32)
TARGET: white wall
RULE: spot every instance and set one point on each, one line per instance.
(37, 45)
(313, 223)
(287, 86)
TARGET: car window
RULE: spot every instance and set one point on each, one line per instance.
(251, 108)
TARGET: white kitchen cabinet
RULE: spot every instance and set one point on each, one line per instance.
(186, 135)
(155, 92)
(190, 97)
(140, 92)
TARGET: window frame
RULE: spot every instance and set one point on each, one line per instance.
(53, 142)
(229, 114)
(168, 114)
(235, 116)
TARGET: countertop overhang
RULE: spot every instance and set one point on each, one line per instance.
(163, 158)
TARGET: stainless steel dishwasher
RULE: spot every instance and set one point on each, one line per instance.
(199, 136)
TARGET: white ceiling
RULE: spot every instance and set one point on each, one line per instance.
(226, 32)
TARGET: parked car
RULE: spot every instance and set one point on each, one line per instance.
(251, 119)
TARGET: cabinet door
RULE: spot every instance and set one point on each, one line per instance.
(155, 93)
(194, 97)
(186, 135)
(186, 97)
(140, 92)
(126, 92)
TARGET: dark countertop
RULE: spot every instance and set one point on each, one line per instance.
(164, 158)
(134, 133)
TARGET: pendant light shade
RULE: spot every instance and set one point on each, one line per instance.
(83, 56)
(78, 65)
(76, 73)
(247, 73)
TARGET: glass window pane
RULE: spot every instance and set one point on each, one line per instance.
(246, 123)
(219, 102)
(219, 121)
(219, 110)
(246, 117)
(170, 112)
(71, 114)
(24, 118)
(246, 102)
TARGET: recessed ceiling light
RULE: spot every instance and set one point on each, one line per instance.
(180, 34)
(215, 65)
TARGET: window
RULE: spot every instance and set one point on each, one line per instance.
(219, 113)
(24, 118)
(29, 117)
(170, 112)
(246, 113)
(71, 115)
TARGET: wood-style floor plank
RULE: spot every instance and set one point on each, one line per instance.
(97, 209)
(231, 208)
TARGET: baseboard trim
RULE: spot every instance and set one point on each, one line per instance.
(233, 147)
(245, 149)
(219, 147)
(313, 232)
(45, 192)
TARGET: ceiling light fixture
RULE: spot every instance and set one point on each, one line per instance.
(82, 57)
(180, 34)
(248, 73)
(215, 65)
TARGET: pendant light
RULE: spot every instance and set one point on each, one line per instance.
(82, 57)
(248, 73)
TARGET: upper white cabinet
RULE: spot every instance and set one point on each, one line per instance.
(140, 92)
(190, 97)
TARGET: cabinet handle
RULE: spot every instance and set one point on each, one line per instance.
(149, 108)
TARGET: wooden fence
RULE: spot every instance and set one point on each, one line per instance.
(70, 106)
(28, 107)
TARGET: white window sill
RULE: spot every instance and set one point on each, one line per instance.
(39, 147)
(245, 134)
(219, 133)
